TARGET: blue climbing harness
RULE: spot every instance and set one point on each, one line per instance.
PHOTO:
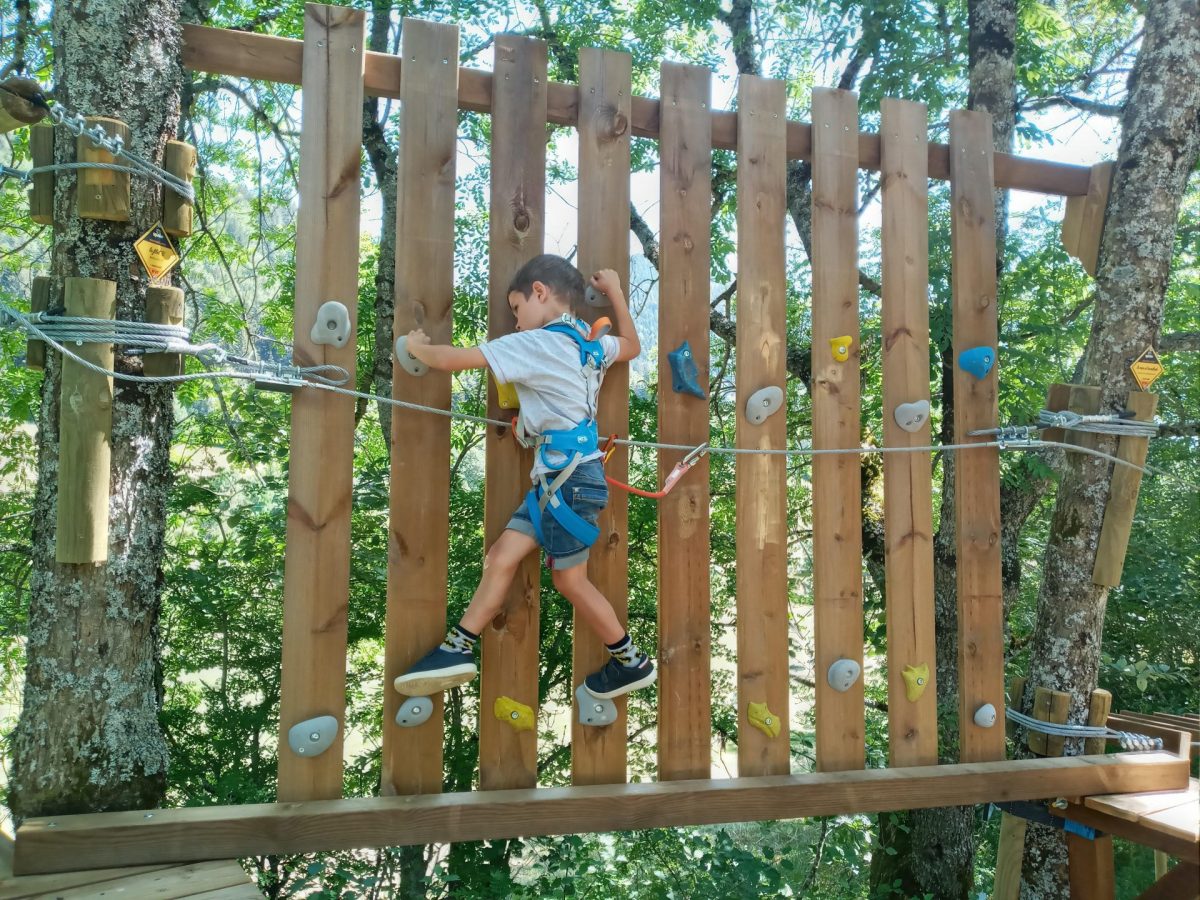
(571, 444)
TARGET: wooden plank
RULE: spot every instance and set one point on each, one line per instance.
(1094, 205)
(270, 58)
(605, 86)
(907, 477)
(419, 545)
(39, 301)
(40, 885)
(837, 480)
(684, 610)
(241, 892)
(1174, 740)
(1182, 821)
(977, 472)
(179, 835)
(178, 881)
(1133, 806)
(761, 493)
(1092, 876)
(1167, 720)
(85, 432)
(1009, 854)
(1122, 496)
(41, 192)
(508, 758)
(1180, 883)
(1130, 831)
(316, 571)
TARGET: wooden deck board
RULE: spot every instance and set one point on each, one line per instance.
(215, 880)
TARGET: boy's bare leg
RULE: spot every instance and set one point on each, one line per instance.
(499, 567)
(592, 605)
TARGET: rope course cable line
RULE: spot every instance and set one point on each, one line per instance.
(174, 339)
(1129, 740)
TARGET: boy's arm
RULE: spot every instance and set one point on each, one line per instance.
(607, 282)
(444, 357)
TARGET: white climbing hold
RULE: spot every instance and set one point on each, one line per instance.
(312, 737)
(408, 362)
(332, 325)
(911, 416)
(842, 674)
(414, 711)
(763, 403)
(985, 716)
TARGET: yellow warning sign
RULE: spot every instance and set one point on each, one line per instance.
(1146, 368)
(156, 252)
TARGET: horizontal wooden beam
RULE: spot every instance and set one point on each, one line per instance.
(265, 57)
(1136, 832)
(220, 832)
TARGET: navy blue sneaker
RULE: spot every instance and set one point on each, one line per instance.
(616, 679)
(437, 671)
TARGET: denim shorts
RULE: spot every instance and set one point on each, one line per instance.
(586, 493)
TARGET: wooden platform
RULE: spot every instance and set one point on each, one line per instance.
(216, 880)
(1165, 820)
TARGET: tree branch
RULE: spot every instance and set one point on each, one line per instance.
(1180, 342)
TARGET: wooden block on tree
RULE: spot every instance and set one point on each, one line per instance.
(164, 306)
(1083, 221)
(316, 571)
(419, 545)
(85, 432)
(508, 758)
(39, 301)
(684, 606)
(1048, 706)
(1122, 496)
(1098, 709)
(605, 86)
(977, 471)
(102, 193)
(180, 160)
(907, 477)
(761, 500)
(41, 193)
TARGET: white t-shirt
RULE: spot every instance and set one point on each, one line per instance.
(555, 392)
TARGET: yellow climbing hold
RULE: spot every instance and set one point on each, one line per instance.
(763, 719)
(518, 715)
(841, 347)
(915, 679)
(506, 396)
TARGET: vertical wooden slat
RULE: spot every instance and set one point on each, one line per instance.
(316, 580)
(39, 301)
(508, 758)
(418, 545)
(684, 712)
(837, 481)
(907, 477)
(761, 504)
(1122, 496)
(977, 472)
(598, 754)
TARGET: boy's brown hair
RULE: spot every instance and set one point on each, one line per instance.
(556, 273)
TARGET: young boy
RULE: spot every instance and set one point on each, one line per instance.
(556, 370)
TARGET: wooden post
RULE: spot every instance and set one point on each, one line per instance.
(1009, 854)
(1098, 709)
(102, 193)
(598, 755)
(907, 477)
(761, 480)
(164, 306)
(977, 471)
(39, 301)
(516, 232)
(684, 606)
(85, 429)
(1090, 863)
(180, 160)
(316, 569)
(41, 194)
(1122, 497)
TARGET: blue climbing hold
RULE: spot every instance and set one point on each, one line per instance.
(685, 377)
(978, 361)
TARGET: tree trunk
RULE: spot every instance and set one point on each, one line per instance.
(89, 738)
(1160, 143)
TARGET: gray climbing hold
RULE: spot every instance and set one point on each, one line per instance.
(593, 297)
(911, 416)
(985, 716)
(763, 403)
(593, 710)
(842, 674)
(312, 737)
(414, 711)
(408, 362)
(332, 325)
